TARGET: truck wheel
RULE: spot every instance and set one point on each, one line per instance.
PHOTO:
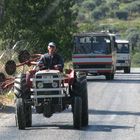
(77, 112)
(127, 70)
(28, 115)
(112, 76)
(20, 115)
(109, 76)
(80, 89)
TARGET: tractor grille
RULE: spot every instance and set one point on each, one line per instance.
(48, 84)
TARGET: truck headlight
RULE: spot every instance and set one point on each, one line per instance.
(40, 85)
(54, 84)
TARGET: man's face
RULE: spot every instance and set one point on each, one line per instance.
(51, 49)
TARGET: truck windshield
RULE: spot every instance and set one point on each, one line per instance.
(122, 48)
(94, 44)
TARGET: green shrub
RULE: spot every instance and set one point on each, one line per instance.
(134, 7)
(88, 5)
(97, 14)
(122, 15)
(136, 60)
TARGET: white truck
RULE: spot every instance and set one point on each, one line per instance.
(123, 56)
(95, 53)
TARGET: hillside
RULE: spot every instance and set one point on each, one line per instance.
(118, 15)
(121, 16)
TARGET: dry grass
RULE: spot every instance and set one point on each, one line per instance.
(6, 100)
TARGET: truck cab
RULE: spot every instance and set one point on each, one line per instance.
(123, 56)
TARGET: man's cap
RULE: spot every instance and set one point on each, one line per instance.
(51, 44)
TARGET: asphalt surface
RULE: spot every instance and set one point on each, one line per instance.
(114, 114)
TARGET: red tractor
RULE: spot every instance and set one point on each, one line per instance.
(49, 91)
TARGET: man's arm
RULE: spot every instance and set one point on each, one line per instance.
(41, 63)
(60, 64)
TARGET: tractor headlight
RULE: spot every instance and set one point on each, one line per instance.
(40, 85)
(54, 84)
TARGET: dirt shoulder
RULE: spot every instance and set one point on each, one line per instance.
(5, 101)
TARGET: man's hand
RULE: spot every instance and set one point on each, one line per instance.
(58, 67)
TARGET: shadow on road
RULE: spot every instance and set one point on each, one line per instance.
(105, 128)
(109, 112)
(7, 109)
(120, 72)
(128, 81)
(50, 126)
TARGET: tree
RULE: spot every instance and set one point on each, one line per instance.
(39, 22)
(1, 10)
(99, 2)
(134, 38)
(114, 5)
(122, 15)
(89, 5)
(134, 7)
(96, 14)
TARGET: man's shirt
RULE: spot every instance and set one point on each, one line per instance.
(49, 61)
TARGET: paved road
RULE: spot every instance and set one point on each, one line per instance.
(114, 114)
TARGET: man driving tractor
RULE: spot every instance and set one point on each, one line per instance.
(51, 60)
